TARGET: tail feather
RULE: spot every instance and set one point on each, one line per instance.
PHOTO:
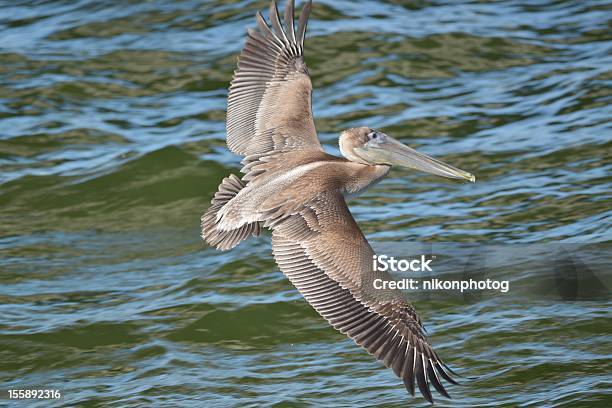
(225, 239)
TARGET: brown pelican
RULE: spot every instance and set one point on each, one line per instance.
(295, 189)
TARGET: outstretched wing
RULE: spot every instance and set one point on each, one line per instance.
(269, 103)
(326, 256)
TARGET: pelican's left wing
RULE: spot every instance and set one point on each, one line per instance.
(325, 255)
(269, 102)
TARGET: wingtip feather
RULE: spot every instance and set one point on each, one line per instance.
(276, 23)
(289, 20)
(435, 381)
(421, 377)
(303, 22)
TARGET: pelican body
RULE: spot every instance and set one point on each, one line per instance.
(292, 187)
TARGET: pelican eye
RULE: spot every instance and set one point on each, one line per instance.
(375, 138)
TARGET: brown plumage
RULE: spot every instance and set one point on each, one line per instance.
(295, 189)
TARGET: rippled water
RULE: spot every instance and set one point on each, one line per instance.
(112, 144)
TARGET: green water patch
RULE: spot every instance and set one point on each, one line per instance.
(167, 184)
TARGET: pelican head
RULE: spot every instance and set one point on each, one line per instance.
(372, 147)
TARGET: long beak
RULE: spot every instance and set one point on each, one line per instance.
(395, 153)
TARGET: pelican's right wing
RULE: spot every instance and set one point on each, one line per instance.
(326, 256)
(269, 103)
